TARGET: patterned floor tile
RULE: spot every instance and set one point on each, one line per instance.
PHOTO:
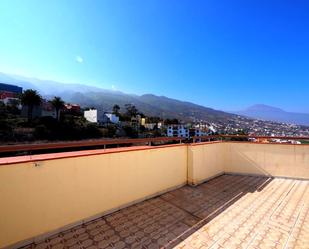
(226, 212)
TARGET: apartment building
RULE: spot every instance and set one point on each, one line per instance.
(177, 131)
(183, 131)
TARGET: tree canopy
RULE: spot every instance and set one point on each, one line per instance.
(30, 98)
(58, 104)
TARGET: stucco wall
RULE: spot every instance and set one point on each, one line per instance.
(37, 200)
(59, 192)
(267, 159)
(205, 161)
(210, 159)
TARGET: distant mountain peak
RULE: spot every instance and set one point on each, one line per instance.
(266, 112)
(263, 107)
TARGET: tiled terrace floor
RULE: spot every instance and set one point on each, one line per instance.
(226, 212)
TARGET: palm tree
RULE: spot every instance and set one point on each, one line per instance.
(30, 98)
(58, 104)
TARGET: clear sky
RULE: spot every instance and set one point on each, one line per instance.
(222, 54)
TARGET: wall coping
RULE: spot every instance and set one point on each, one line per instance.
(71, 154)
(261, 143)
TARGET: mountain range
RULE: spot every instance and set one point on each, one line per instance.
(102, 99)
(149, 104)
(271, 113)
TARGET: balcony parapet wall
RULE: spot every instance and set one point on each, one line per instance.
(44, 194)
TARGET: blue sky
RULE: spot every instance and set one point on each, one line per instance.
(222, 54)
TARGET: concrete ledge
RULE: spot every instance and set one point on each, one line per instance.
(71, 154)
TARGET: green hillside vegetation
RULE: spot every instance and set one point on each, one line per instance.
(151, 105)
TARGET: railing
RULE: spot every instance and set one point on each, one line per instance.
(265, 137)
(85, 144)
(245, 138)
(7, 150)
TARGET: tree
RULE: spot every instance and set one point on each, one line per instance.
(153, 119)
(30, 98)
(131, 110)
(116, 109)
(130, 132)
(171, 121)
(242, 135)
(58, 104)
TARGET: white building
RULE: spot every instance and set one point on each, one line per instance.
(182, 131)
(199, 133)
(112, 118)
(150, 126)
(177, 131)
(208, 128)
(91, 115)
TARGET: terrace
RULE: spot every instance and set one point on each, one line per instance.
(218, 194)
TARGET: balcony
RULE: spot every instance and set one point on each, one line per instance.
(202, 195)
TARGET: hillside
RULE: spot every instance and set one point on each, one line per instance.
(149, 104)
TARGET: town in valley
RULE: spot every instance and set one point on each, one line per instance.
(28, 117)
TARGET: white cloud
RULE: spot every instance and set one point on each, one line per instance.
(79, 59)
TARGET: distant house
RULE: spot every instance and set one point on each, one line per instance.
(72, 109)
(96, 116)
(8, 98)
(91, 115)
(113, 118)
(9, 93)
